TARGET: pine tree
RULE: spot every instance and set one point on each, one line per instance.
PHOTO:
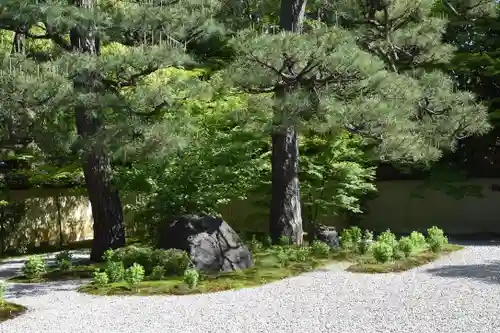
(365, 69)
(105, 95)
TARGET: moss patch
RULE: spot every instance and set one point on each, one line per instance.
(54, 274)
(417, 259)
(10, 310)
(267, 269)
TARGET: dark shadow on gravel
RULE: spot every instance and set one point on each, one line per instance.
(8, 272)
(488, 273)
(38, 289)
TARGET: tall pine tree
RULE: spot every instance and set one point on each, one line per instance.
(361, 66)
(105, 95)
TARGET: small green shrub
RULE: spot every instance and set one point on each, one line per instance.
(382, 252)
(284, 240)
(388, 238)
(115, 271)
(366, 242)
(109, 255)
(320, 249)
(2, 294)
(34, 267)
(174, 261)
(436, 239)
(100, 279)
(268, 241)
(132, 254)
(283, 257)
(158, 273)
(191, 277)
(64, 260)
(406, 246)
(418, 240)
(255, 245)
(350, 238)
(398, 254)
(300, 254)
(134, 274)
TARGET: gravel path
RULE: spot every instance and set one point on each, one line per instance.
(458, 293)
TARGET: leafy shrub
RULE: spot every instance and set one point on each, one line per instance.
(100, 278)
(158, 273)
(300, 254)
(284, 240)
(283, 257)
(64, 260)
(255, 245)
(382, 252)
(350, 238)
(320, 249)
(2, 293)
(418, 239)
(268, 241)
(34, 267)
(436, 239)
(174, 261)
(115, 271)
(134, 274)
(398, 254)
(191, 277)
(406, 246)
(366, 242)
(109, 255)
(132, 254)
(388, 238)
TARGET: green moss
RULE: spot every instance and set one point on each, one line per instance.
(54, 274)
(10, 310)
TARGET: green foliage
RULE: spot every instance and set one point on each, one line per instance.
(284, 241)
(300, 254)
(132, 254)
(191, 277)
(320, 249)
(134, 274)
(418, 239)
(405, 245)
(382, 251)
(64, 260)
(100, 279)
(389, 238)
(436, 239)
(350, 238)
(173, 261)
(34, 267)
(158, 273)
(115, 271)
(2, 294)
(255, 245)
(366, 242)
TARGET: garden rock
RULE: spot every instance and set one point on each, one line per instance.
(328, 235)
(212, 244)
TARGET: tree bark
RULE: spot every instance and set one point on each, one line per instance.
(107, 210)
(286, 215)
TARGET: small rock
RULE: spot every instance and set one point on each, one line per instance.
(327, 234)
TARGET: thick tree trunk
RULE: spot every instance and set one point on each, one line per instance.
(107, 210)
(286, 215)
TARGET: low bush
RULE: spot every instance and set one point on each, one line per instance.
(320, 249)
(2, 294)
(64, 260)
(382, 251)
(100, 278)
(418, 240)
(158, 273)
(436, 239)
(34, 267)
(388, 238)
(134, 274)
(405, 245)
(174, 261)
(366, 242)
(115, 271)
(191, 277)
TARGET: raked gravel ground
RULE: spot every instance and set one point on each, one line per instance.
(458, 293)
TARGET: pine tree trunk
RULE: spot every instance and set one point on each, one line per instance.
(286, 215)
(107, 210)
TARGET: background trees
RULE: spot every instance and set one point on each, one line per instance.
(192, 104)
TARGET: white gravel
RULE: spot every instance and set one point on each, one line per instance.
(459, 293)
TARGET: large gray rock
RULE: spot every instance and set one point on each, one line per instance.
(211, 243)
(327, 234)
